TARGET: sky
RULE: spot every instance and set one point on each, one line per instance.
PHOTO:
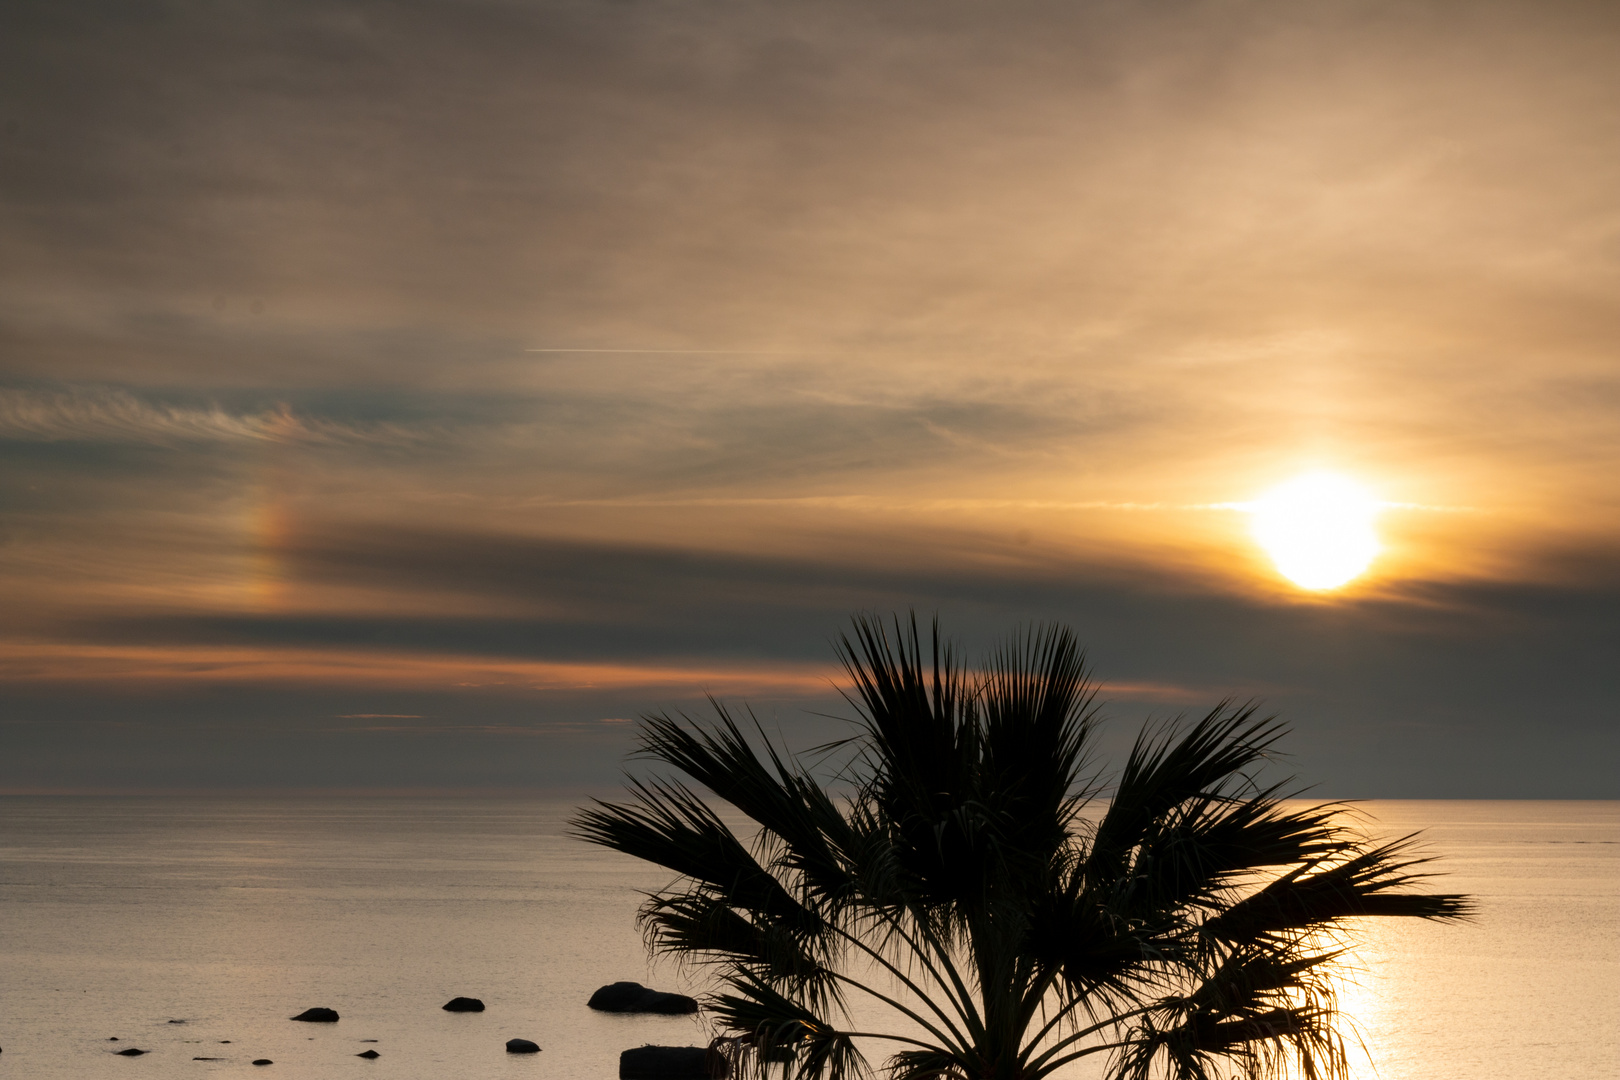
(407, 396)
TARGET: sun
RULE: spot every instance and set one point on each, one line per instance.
(1318, 528)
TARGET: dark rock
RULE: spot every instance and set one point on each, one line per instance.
(112, 1038)
(130, 1052)
(207, 1059)
(673, 1063)
(263, 1061)
(224, 1042)
(368, 1040)
(318, 1016)
(461, 1004)
(632, 997)
(521, 1046)
(176, 1021)
(370, 1055)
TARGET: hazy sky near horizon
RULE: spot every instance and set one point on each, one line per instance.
(405, 395)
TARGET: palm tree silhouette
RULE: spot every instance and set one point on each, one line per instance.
(949, 877)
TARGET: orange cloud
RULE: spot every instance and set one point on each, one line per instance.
(131, 667)
(135, 665)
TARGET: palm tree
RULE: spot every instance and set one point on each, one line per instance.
(948, 877)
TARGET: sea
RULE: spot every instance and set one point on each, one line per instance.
(194, 927)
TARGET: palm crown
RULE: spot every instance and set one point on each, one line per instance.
(949, 876)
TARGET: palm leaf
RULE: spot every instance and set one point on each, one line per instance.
(1366, 883)
(1189, 932)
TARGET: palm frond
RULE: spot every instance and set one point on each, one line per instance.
(927, 1065)
(1367, 883)
(791, 806)
(1193, 931)
(1038, 715)
(698, 928)
(1272, 1044)
(669, 826)
(1200, 850)
(1169, 767)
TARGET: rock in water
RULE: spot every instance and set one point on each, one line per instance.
(318, 1016)
(521, 1046)
(369, 1055)
(461, 1004)
(672, 1063)
(131, 1052)
(632, 997)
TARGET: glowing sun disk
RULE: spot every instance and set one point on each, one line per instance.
(1318, 529)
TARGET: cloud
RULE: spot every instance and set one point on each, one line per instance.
(109, 415)
(1004, 311)
(1462, 690)
(528, 600)
(23, 664)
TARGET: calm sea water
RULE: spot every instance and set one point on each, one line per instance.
(119, 916)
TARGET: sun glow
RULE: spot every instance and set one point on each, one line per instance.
(1318, 529)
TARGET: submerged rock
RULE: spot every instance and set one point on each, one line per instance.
(632, 997)
(673, 1063)
(463, 1004)
(370, 1055)
(521, 1046)
(318, 1016)
(130, 1052)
